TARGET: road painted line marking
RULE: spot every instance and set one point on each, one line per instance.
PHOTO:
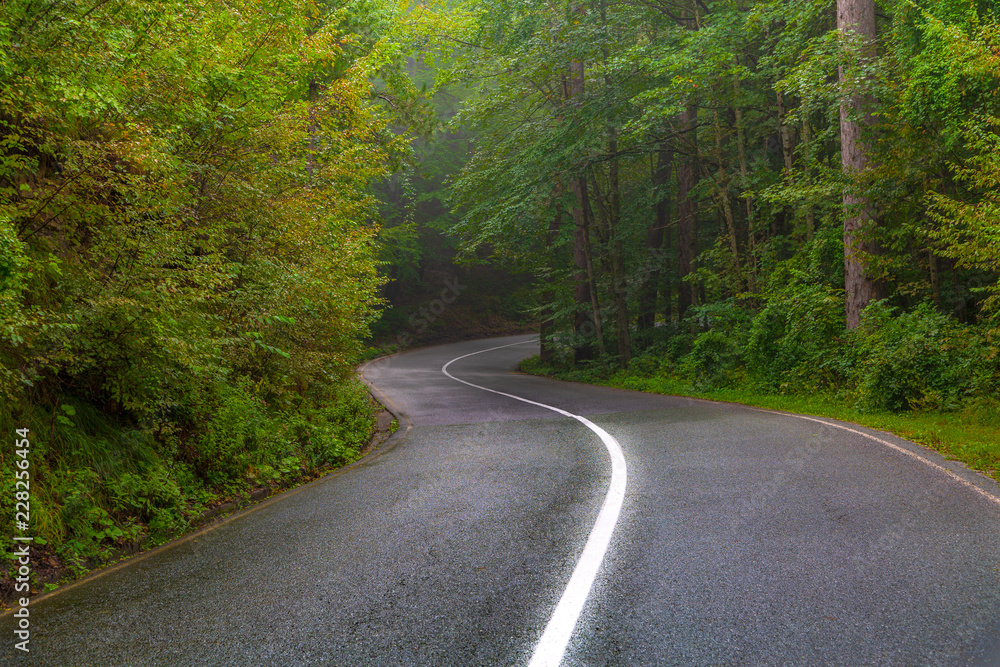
(551, 647)
(903, 450)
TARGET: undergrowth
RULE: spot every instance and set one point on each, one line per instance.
(919, 374)
(101, 489)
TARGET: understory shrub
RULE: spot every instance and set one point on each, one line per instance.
(713, 360)
(99, 487)
(154, 498)
(920, 359)
(715, 356)
(232, 429)
(794, 341)
(797, 342)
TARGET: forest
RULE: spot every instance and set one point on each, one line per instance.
(782, 203)
(211, 213)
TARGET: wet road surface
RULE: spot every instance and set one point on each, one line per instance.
(746, 538)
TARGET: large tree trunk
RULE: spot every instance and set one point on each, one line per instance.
(548, 321)
(687, 179)
(741, 151)
(583, 326)
(588, 256)
(668, 275)
(587, 321)
(722, 187)
(617, 255)
(618, 285)
(655, 235)
(856, 17)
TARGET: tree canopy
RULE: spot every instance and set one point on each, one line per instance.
(659, 159)
(188, 264)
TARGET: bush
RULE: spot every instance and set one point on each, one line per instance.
(336, 429)
(89, 525)
(229, 431)
(645, 365)
(244, 439)
(795, 341)
(154, 498)
(713, 360)
(916, 360)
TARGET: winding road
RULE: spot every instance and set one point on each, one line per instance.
(499, 526)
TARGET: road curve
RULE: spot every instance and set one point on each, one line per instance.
(745, 538)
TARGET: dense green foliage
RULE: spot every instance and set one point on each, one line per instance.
(671, 173)
(188, 261)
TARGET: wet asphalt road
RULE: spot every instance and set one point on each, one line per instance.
(746, 538)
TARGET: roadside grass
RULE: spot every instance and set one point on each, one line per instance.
(970, 434)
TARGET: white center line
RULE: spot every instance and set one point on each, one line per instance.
(552, 645)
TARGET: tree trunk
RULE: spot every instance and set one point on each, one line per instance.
(960, 312)
(856, 17)
(617, 255)
(595, 306)
(722, 187)
(548, 322)
(785, 133)
(655, 234)
(687, 179)
(741, 153)
(935, 280)
(581, 286)
(587, 321)
(582, 294)
(668, 275)
(584, 325)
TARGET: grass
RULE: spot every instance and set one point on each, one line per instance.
(970, 435)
